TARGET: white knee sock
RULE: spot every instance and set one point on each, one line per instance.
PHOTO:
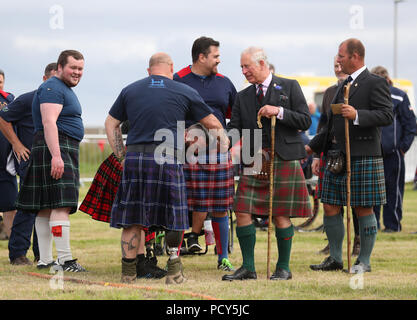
(61, 233)
(44, 240)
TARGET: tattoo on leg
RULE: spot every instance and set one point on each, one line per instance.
(130, 245)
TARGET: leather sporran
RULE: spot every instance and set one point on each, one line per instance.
(336, 161)
(264, 173)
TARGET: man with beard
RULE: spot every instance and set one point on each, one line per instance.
(52, 180)
(210, 184)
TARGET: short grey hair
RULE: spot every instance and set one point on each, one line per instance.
(257, 54)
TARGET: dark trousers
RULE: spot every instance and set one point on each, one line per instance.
(394, 170)
(19, 242)
(23, 224)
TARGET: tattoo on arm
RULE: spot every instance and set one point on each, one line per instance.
(118, 143)
(130, 245)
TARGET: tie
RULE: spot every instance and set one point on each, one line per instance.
(348, 80)
(260, 93)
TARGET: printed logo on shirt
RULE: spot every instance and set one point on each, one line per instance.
(157, 84)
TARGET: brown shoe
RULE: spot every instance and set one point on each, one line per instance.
(21, 261)
(128, 271)
(356, 246)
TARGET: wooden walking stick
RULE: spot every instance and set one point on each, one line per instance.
(347, 146)
(271, 192)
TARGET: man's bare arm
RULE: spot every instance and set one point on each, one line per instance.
(114, 136)
(50, 113)
(19, 149)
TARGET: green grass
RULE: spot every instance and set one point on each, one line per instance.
(97, 246)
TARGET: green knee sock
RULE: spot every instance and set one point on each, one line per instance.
(335, 231)
(247, 239)
(367, 232)
(284, 243)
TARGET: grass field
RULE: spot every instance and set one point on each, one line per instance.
(97, 246)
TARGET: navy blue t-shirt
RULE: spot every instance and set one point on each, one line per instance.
(5, 146)
(69, 120)
(19, 114)
(155, 103)
(216, 90)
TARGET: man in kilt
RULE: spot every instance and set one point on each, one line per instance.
(270, 96)
(152, 192)
(51, 184)
(369, 108)
(319, 163)
(99, 201)
(210, 183)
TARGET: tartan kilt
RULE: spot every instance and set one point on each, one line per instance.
(367, 184)
(322, 166)
(150, 194)
(210, 186)
(100, 196)
(39, 190)
(290, 198)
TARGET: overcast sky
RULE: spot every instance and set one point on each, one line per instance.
(118, 37)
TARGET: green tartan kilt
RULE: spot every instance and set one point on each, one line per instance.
(39, 190)
(290, 198)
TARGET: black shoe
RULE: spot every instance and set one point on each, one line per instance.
(240, 274)
(70, 266)
(281, 274)
(41, 265)
(329, 264)
(148, 269)
(192, 243)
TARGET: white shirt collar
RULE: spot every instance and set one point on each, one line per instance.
(357, 73)
(266, 83)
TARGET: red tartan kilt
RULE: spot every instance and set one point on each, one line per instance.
(290, 198)
(99, 199)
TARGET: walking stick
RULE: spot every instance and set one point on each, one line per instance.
(347, 146)
(271, 192)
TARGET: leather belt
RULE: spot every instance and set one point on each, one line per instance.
(149, 148)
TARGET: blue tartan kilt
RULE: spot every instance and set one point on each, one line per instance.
(150, 194)
(367, 184)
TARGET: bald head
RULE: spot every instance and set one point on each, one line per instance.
(161, 64)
